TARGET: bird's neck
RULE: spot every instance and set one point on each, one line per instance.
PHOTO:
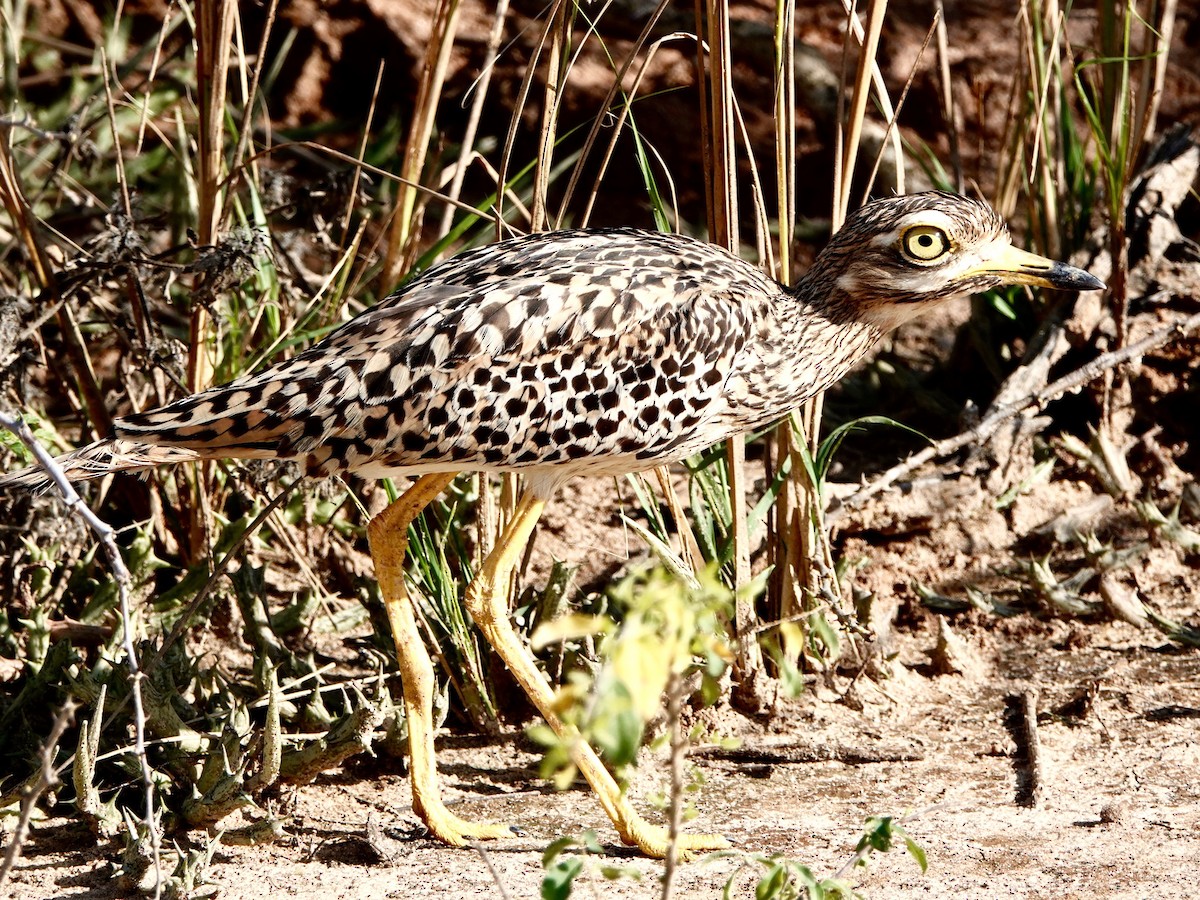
(807, 338)
(823, 335)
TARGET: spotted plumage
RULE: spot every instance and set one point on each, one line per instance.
(603, 351)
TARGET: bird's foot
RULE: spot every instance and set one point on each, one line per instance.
(450, 829)
(654, 841)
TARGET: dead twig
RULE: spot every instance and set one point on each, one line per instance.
(487, 861)
(1033, 748)
(678, 749)
(1073, 381)
(47, 778)
(107, 538)
(480, 90)
(238, 169)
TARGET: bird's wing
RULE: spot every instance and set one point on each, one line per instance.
(542, 350)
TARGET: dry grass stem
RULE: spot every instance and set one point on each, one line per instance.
(950, 110)
(616, 131)
(247, 123)
(480, 96)
(601, 119)
(518, 111)
(352, 198)
(406, 225)
(858, 108)
(934, 28)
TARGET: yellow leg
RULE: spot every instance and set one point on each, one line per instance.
(388, 535)
(488, 607)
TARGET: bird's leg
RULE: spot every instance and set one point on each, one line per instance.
(487, 604)
(388, 536)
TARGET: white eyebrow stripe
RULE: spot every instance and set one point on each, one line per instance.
(887, 239)
(933, 217)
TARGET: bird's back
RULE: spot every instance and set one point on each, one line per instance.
(604, 350)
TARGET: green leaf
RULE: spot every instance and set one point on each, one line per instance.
(557, 882)
(917, 852)
(617, 729)
(771, 885)
(551, 853)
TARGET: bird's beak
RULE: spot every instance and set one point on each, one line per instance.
(1018, 266)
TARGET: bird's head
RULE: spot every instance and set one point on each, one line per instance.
(897, 256)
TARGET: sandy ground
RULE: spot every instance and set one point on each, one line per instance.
(1120, 816)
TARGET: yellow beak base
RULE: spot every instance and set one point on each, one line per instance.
(1018, 266)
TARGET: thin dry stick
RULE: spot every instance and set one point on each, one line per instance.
(557, 66)
(892, 119)
(481, 90)
(514, 122)
(1046, 130)
(487, 861)
(785, 133)
(678, 750)
(949, 107)
(1033, 746)
(616, 129)
(47, 778)
(374, 170)
(724, 162)
(881, 95)
(839, 130)
(429, 93)
(122, 181)
(686, 535)
(1153, 79)
(28, 226)
(858, 106)
(1103, 363)
(1010, 178)
(362, 151)
(107, 538)
(783, 550)
(255, 77)
(724, 231)
(154, 63)
(762, 224)
(601, 120)
(703, 51)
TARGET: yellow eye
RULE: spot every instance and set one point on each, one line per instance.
(924, 243)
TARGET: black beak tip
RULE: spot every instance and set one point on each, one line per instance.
(1070, 278)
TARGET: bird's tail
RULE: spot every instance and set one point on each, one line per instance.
(99, 459)
(265, 416)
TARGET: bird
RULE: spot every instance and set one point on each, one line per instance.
(563, 353)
